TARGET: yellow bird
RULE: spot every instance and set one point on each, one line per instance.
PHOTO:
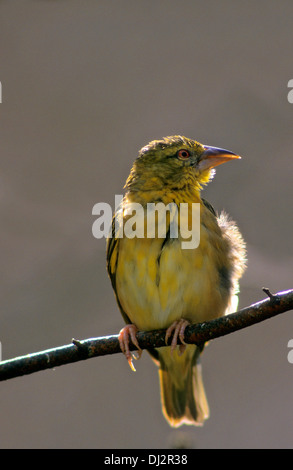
(159, 282)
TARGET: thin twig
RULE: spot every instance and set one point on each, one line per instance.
(198, 334)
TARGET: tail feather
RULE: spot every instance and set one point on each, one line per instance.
(182, 392)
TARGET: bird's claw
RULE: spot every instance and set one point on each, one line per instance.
(177, 329)
(129, 331)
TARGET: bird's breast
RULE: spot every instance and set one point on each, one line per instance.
(158, 281)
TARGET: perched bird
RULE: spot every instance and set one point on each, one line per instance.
(158, 283)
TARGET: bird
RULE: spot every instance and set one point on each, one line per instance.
(158, 283)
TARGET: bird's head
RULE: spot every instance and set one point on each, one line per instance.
(175, 163)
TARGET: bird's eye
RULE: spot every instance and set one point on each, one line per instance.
(183, 154)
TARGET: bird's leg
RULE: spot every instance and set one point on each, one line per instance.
(129, 331)
(178, 327)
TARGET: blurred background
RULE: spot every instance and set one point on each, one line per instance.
(86, 84)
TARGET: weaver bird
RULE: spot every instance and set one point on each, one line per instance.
(159, 284)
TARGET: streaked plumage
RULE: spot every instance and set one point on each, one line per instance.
(157, 282)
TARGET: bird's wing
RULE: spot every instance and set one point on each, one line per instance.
(112, 251)
(237, 255)
(209, 206)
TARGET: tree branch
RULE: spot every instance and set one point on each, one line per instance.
(194, 334)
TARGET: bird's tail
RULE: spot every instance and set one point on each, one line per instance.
(182, 392)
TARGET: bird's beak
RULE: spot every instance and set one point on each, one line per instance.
(213, 156)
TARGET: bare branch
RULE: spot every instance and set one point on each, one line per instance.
(194, 334)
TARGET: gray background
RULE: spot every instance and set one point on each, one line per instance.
(85, 85)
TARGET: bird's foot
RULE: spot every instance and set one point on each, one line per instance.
(129, 331)
(177, 329)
